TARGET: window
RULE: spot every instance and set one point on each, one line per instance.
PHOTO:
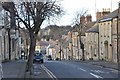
(101, 53)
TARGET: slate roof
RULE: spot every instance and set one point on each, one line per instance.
(94, 29)
(42, 43)
(51, 46)
(87, 26)
(111, 15)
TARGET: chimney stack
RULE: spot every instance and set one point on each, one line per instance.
(82, 19)
(104, 12)
(88, 18)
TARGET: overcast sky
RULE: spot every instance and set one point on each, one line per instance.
(71, 6)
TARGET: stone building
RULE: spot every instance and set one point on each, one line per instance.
(92, 43)
(73, 44)
(4, 46)
(9, 37)
(118, 35)
(108, 37)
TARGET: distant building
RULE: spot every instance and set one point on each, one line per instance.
(51, 51)
(75, 45)
(41, 46)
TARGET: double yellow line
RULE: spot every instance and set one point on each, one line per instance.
(52, 76)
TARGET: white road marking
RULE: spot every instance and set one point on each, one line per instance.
(112, 70)
(49, 72)
(82, 69)
(99, 71)
(1, 71)
(96, 75)
(37, 73)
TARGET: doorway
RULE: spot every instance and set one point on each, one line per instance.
(106, 50)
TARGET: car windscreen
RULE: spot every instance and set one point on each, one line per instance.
(38, 54)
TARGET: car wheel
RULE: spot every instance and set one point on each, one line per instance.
(42, 61)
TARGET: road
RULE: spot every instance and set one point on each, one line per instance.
(70, 69)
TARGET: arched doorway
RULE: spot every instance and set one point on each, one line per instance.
(91, 48)
(106, 50)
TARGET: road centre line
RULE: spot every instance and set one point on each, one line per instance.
(82, 69)
(49, 72)
(96, 75)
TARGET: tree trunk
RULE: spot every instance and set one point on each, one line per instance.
(31, 52)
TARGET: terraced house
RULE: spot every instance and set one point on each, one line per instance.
(108, 37)
(4, 51)
(10, 39)
(92, 43)
(101, 39)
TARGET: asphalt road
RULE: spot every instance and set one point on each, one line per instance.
(69, 69)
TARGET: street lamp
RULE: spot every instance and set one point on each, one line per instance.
(60, 52)
(78, 46)
(71, 46)
(81, 43)
(59, 49)
(7, 27)
(82, 47)
(67, 52)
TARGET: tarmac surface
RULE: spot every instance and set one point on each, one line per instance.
(16, 68)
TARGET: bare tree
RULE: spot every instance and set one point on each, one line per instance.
(79, 27)
(32, 15)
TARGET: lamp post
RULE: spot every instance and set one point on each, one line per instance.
(81, 43)
(9, 42)
(66, 52)
(82, 47)
(60, 52)
(7, 27)
(78, 46)
(59, 49)
(71, 46)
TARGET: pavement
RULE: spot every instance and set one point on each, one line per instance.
(39, 71)
(105, 64)
(16, 69)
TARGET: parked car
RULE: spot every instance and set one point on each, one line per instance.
(57, 59)
(49, 57)
(38, 57)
